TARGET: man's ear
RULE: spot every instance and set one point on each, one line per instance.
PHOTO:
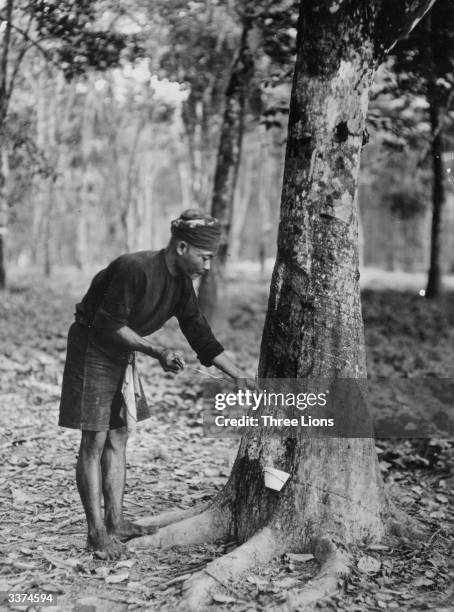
(182, 247)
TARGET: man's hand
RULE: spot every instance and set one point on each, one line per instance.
(246, 383)
(171, 361)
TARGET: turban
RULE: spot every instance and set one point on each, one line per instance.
(197, 228)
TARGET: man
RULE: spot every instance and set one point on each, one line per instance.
(132, 298)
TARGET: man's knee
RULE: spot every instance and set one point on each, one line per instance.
(93, 442)
(117, 438)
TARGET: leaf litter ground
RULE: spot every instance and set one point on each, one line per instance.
(172, 465)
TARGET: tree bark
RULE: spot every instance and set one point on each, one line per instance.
(241, 204)
(194, 121)
(227, 164)
(3, 112)
(313, 328)
(264, 191)
(3, 212)
(434, 283)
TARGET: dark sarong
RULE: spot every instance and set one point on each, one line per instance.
(91, 390)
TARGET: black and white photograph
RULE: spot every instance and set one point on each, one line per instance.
(226, 305)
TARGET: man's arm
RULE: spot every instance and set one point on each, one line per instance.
(226, 365)
(199, 335)
(171, 361)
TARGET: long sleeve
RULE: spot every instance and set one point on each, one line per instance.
(197, 331)
(125, 288)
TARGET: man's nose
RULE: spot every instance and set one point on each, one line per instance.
(207, 265)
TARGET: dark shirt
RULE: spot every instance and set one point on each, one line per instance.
(138, 290)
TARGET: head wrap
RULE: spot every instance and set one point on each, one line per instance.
(197, 228)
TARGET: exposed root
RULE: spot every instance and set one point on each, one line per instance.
(405, 527)
(258, 550)
(334, 567)
(211, 525)
(171, 516)
(401, 524)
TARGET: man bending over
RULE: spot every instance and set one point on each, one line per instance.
(131, 298)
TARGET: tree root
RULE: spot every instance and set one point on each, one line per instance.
(258, 550)
(171, 516)
(401, 524)
(334, 567)
(209, 526)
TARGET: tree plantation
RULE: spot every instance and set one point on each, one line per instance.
(307, 146)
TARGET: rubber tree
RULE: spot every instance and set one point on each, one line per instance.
(423, 70)
(313, 328)
(270, 22)
(227, 163)
(434, 283)
(5, 94)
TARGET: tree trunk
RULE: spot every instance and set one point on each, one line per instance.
(4, 99)
(82, 234)
(434, 284)
(241, 204)
(3, 213)
(49, 238)
(192, 115)
(264, 191)
(227, 164)
(145, 199)
(313, 330)
(185, 188)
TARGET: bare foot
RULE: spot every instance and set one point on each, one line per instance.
(128, 530)
(105, 547)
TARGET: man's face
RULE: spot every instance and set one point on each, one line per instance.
(192, 261)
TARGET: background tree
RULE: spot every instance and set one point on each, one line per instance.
(227, 165)
(423, 70)
(65, 34)
(313, 329)
(257, 24)
(198, 46)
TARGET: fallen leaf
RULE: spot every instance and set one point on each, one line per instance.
(299, 558)
(116, 578)
(286, 583)
(221, 598)
(19, 497)
(136, 587)
(378, 547)
(257, 581)
(64, 563)
(126, 563)
(368, 565)
(50, 588)
(420, 582)
(442, 498)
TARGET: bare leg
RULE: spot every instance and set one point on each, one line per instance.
(113, 465)
(88, 477)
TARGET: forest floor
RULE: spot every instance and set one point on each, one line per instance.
(172, 465)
